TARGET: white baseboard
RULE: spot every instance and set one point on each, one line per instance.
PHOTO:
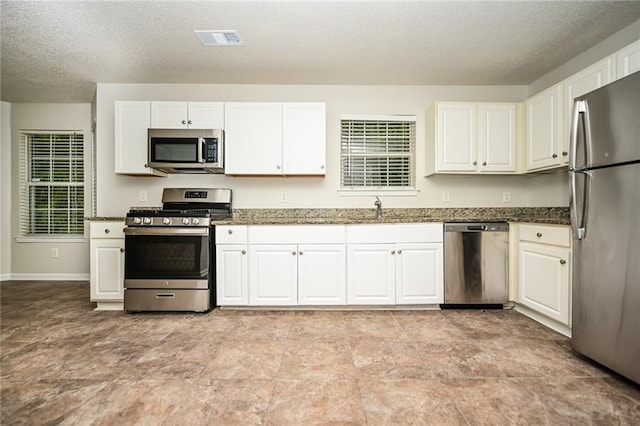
(546, 321)
(5, 277)
(49, 277)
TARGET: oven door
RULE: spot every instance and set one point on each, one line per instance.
(167, 258)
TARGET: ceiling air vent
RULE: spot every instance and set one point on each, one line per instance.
(219, 37)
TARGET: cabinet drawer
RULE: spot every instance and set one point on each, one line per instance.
(555, 235)
(231, 234)
(395, 233)
(106, 229)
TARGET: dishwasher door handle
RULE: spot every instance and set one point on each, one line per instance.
(477, 227)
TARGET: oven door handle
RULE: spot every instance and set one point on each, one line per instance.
(169, 232)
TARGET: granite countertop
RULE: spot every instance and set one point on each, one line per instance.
(550, 215)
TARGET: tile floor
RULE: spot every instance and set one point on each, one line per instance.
(63, 363)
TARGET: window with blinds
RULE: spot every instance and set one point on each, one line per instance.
(378, 152)
(52, 183)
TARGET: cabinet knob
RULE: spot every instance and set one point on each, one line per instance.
(484, 163)
(121, 250)
(399, 251)
(106, 231)
(321, 166)
(475, 163)
(293, 252)
(393, 252)
(565, 153)
(190, 122)
(243, 252)
(300, 252)
(562, 261)
(230, 231)
(184, 121)
(278, 167)
(555, 155)
(539, 235)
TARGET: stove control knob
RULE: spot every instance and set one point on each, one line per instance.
(185, 220)
(146, 221)
(196, 221)
(166, 221)
(137, 220)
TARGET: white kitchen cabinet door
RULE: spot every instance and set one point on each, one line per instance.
(303, 138)
(273, 274)
(107, 270)
(456, 138)
(497, 138)
(544, 273)
(322, 274)
(419, 274)
(371, 274)
(627, 60)
(132, 120)
(232, 284)
(253, 138)
(183, 115)
(544, 129)
(581, 83)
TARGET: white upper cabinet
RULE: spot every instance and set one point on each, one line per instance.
(132, 120)
(581, 83)
(269, 138)
(303, 138)
(497, 138)
(544, 129)
(474, 138)
(192, 115)
(627, 60)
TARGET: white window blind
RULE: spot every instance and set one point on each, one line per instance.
(52, 183)
(378, 153)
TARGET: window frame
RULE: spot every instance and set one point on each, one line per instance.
(409, 190)
(76, 179)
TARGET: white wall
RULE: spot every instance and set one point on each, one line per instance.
(5, 191)
(30, 260)
(116, 193)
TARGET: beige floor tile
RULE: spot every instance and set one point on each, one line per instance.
(245, 360)
(317, 360)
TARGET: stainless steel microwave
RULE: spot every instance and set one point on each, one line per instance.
(186, 150)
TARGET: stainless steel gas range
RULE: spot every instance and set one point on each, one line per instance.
(169, 252)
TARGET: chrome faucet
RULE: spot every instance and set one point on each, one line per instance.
(378, 205)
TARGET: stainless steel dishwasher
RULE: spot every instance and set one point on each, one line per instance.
(476, 265)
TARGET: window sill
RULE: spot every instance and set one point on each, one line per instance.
(370, 192)
(74, 239)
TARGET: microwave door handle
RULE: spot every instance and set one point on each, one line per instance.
(203, 147)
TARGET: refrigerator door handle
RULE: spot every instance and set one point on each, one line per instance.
(579, 203)
(579, 111)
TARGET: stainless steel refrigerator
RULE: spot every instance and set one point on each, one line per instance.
(605, 216)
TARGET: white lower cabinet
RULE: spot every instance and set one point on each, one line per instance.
(107, 264)
(232, 275)
(322, 274)
(404, 267)
(273, 274)
(544, 265)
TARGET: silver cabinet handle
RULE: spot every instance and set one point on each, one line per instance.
(399, 251)
(475, 163)
(230, 231)
(555, 155)
(184, 121)
(562, 261)
(321, 166)
(484, 163)
(300, 252)
(243, 252)
(121, 250)
(539, 235)
(565, 153)
(293, 252)
(393, 252)
(106, 231)
(190, 122)
(278, 167)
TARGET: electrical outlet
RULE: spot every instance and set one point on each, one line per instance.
(283, 197)
(506, 197)
(445, 197)
(142, 196)
(54, 253)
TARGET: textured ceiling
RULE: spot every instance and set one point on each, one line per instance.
(58, 51)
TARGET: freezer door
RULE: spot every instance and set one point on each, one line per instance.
(606, 125)
(606, 274)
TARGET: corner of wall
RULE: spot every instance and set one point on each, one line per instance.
(5, 191)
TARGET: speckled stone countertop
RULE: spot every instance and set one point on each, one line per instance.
(551, 215)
